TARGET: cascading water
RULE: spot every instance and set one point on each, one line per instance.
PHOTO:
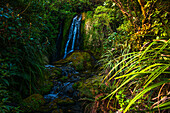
(63, 89)
(74, 35)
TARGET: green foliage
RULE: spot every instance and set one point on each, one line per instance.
(107, 16)
(146, 66)
(114, 46)
(100, 26)
(94, 91)
(139, 76)
(143, 20)
(131, 55)
(4, 99)
(32, 103)
(122, 101)
(21, 53)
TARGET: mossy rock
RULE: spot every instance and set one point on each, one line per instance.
(89, 87)
(32, 103)
(57, 111)
(46, 87)
(57, 70)
(49, 107)
(56, 73)
(80, 60)
(64, 78)
(63, 101)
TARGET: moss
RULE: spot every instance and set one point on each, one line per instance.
(46, 87)
(82, 31)
(81, 61)
(89, 87)
(57, 111)
(64, 78)
(56, 73)
(63, 101)
(75, 85)
(89, 14)
(49, 107)
(90, 37)
(32, 103)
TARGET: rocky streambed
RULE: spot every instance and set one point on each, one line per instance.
(73, 90)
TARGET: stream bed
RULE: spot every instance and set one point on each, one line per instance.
(64, 96)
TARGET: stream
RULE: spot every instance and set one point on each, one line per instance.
(65, 97)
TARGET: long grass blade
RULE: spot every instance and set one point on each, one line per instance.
(142, 93)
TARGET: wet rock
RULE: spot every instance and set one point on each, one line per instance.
(47, 108)
(57, 111)
(63, 78)
(56, 73)
(49, 66)
(69, 89)
(80, 60)
(50, 97)
(68, 71)
(63, 101)
(46, 87)
(32, 103)
(89, 87)
(57, 70)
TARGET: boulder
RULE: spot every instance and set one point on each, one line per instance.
(63, 101)
(46, 87)
(57, 111)
(32, 103)
(89, 87)
(48, 107)
(56, 73)
(80, 60)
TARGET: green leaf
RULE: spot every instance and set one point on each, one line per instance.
(163, 105)
(142, 93)
(6, 81)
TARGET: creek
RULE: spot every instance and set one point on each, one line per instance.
(63, 94)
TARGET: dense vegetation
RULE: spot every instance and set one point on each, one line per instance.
(132, 38)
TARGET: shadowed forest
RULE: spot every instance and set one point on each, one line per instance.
(84, 56)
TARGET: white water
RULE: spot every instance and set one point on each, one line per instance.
(74, 35)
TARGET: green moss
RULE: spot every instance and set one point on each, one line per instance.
(82, 32)
(91, 38)
(49, 107)
(89, 14)
(89, 87)
(64, 78)
(46, 87)
(63, 101)
(75, 85)
(57, 111)
(81, 61)
(56, 73)
(32, 103)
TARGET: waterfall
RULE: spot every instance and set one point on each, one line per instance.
(73, 37)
